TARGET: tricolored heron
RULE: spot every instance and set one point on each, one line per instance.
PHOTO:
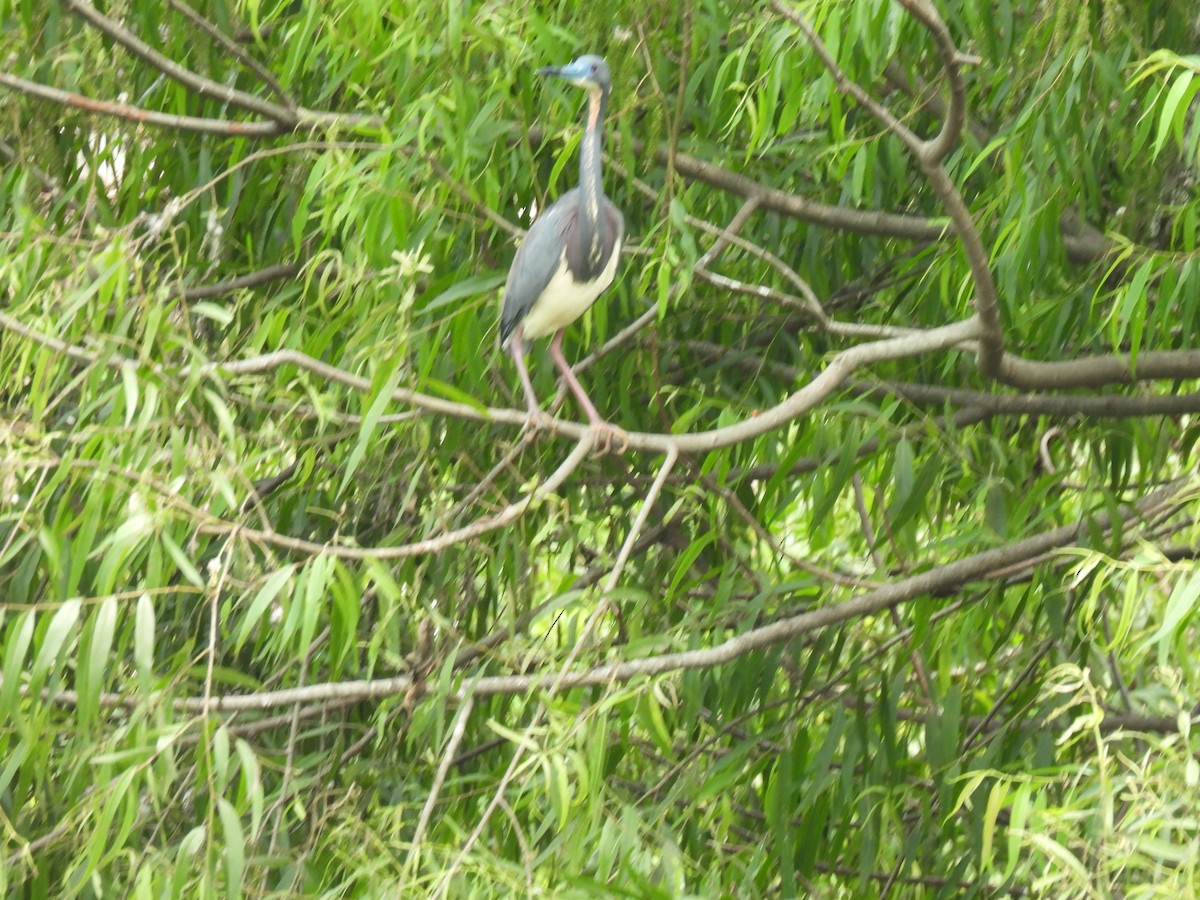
(569, 255)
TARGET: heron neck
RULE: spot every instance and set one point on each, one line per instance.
(591, 181)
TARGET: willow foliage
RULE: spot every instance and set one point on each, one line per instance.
(291, 603)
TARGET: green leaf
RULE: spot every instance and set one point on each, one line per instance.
(251, 618)
(1181, 605)
(20, 636)
(234, 846)
(130, 383)
(469, 287)
(61, 626)
(252, 785)
(186, 569)
(1174, 107)
(104, 623)
(392, 371)
(144, 634)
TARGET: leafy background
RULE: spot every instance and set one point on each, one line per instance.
(292, 603)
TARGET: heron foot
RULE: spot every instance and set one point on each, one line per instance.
(603, 435)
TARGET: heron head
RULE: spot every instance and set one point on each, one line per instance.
(588, 71)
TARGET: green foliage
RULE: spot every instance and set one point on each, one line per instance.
(216, 478)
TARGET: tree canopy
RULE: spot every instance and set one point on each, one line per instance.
(892, 590)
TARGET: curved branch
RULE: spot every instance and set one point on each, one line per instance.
(955, 119)
(1092, 371)
(929, 157)
(870, 222)
(509, 514)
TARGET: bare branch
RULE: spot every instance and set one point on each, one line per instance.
(639, 523)
(261, 276)
(1114, 406)
(1171, 364)
(871, 222)
(142, 116)
(952, 62)
(1096, 371)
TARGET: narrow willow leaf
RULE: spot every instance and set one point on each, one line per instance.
(103, 624)
(525, 740)
(186, 569)
(129, 382)
(1060, 854)
(560, 791)
(395, 370)
(20, 635)
(143, 640)
(252, 785)
(251, 618)
(224, 415)
(469, 287)
(105, 842)
(234, 845)
(1181, 605)
(902, 473)
(1174, 108)
(315, 591)
(450, 392)
(780, 803)
(220, 757)
(991, 815)
(12, 765)
(62, 624)
(216, 313)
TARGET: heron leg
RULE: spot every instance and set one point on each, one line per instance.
(572, 381)
(517, 349)
(605, 432)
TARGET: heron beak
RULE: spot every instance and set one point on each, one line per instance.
(572, 72)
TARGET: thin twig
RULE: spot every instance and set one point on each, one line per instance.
(639, 523)
(250, 279)
(519, 753)
(448, 756)
(215, 602)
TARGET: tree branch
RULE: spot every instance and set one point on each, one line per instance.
(932, 582)
(194, 124)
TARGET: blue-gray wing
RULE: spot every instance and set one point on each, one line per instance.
(537, 259)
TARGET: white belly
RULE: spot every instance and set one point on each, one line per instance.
(564, 300)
